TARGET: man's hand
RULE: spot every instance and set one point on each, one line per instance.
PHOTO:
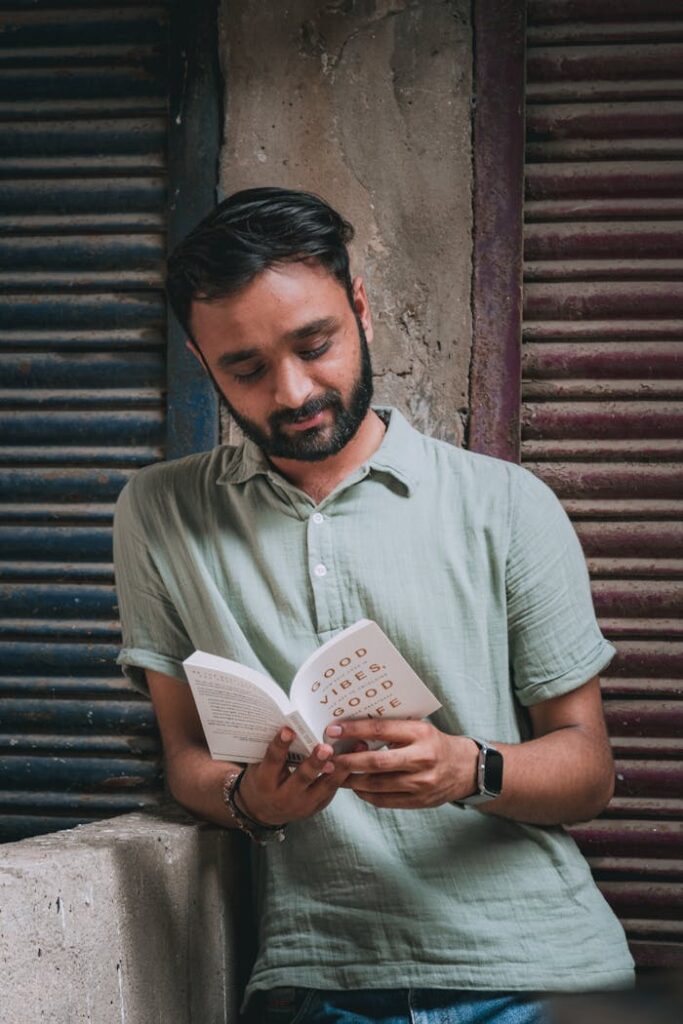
(423, 767)
(563, 775)
(273, 795)
(269, 792)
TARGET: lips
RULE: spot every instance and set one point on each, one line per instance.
(312, 421)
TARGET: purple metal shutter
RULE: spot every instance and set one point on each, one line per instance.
(83, 126)
(602, 418)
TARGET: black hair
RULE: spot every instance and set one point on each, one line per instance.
(249, 232)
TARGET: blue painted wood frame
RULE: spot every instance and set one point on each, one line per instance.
(193, 152)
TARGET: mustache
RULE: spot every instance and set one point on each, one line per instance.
(330, 400)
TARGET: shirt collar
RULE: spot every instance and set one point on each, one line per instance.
(397, 455)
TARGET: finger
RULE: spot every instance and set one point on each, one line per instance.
(386, 730)
(387, 782)
(275, 758)
(328, 783)
(396, 760)
(317, 763)
(391, 801)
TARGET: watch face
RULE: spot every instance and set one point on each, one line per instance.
(493, 772)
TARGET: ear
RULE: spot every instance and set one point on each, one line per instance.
(361, 305)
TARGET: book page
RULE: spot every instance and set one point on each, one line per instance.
(240, 709)
(359, 674)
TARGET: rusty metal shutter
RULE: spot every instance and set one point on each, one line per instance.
(83, 126)
(602, 419)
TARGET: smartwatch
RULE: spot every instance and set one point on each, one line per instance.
(489, 775)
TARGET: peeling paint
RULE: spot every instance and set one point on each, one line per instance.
(342, 99)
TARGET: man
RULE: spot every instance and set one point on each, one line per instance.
(429, 880)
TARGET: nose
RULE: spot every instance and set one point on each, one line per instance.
(292, 384)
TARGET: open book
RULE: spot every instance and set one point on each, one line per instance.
(357, 674)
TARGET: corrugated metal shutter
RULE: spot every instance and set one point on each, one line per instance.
(83, 124)
(602, 412)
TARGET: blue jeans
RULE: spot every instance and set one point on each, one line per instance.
(398, 1006)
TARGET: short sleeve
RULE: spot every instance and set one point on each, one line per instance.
(153, 636)
(554, 639)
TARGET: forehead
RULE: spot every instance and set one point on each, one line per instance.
(275, 302)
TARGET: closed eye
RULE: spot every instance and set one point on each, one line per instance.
(251, 375)
(307, 355)
(315, 353)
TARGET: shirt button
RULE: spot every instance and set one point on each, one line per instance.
(318, 517)
(320, 570)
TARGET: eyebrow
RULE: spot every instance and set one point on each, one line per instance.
(309, 330)
(230, 358)
(326, 323)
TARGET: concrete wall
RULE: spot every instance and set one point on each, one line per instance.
(128, 921)
(367, 102)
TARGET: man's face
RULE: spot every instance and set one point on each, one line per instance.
(290, 357)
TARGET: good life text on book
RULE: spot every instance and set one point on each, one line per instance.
(357, 674)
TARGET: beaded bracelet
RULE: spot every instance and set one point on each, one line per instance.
(258, 831)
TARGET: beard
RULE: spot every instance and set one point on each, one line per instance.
(317, 442)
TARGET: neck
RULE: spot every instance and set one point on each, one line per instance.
(318, 479)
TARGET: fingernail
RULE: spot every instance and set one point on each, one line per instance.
(323, 752)
(334, 730)
(327, 769)
(286, 735)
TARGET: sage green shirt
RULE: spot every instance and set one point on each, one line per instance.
(472, 568)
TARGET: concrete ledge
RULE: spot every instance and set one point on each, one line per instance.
(127, 921)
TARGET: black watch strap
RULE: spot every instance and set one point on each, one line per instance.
(489, 775)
